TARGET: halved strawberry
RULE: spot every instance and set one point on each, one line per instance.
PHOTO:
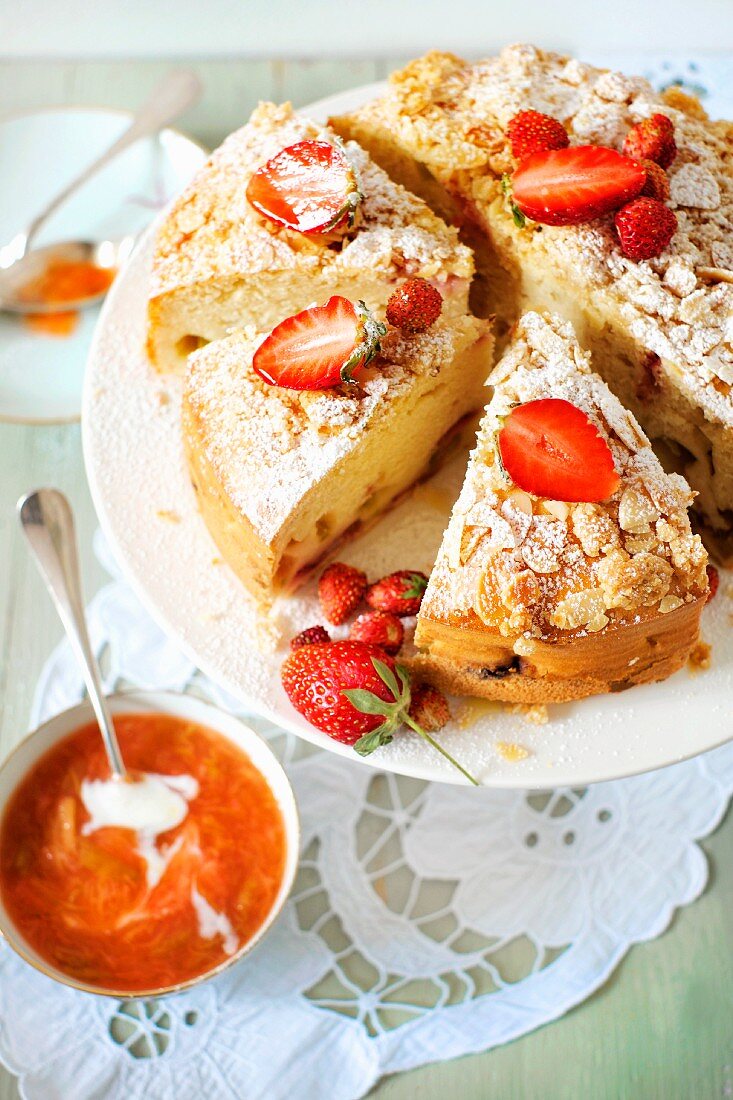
(551, 449)
(574, 185)
(321, 347)
(309, 186)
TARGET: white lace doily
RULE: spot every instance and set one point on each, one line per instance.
(426, 922)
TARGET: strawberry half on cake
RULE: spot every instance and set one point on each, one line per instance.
(568, 567)
(587, 193)
(297, 440)
(281, 216)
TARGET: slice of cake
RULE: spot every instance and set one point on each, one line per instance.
(660, 328)
(594, 582)
(284, 470)
(232, 252)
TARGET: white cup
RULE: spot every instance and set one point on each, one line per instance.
(20, 761)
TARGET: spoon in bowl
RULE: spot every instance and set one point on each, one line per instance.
(20, 264)
(48, 525)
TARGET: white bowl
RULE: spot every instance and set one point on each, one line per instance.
(32, 748)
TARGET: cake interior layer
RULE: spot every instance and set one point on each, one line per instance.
(473, 660)
(183, 320)
(511, 279)
(392, 453)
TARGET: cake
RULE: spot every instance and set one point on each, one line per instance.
(282, 474)
(539, 600)
(220, 265)
(660, 329)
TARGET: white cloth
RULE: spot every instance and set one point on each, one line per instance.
(392, 951)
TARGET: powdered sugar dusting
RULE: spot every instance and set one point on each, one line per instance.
(453, 115)
(212, 231)
(572, 568)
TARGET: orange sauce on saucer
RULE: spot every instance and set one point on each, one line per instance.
(82, 900)
(63, 281)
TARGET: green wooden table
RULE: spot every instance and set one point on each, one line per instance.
(662, 1027)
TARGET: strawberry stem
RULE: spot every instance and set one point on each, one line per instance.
(444, 752)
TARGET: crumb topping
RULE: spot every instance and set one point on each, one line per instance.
(453, 116)
(212, 231)
(270, 445)
(533, 568)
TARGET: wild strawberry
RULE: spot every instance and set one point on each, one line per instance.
(309, 186)
(355, 693)
(713, 582)
(551, 449)
(341, 589)
(400, 593)
(429, 707)
(321, 347)
(645, 227)
(652, 139)
(574, 185)
(379, 628)
(532, 132)
(414, 306)
(313, 635)
(657, 181)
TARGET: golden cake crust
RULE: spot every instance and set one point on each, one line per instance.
(546, 588)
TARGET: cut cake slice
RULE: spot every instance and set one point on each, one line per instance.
(282, 475)
(660, 331)
(220, 265)
(536, 600)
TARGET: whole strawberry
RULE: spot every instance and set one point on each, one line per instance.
(316, 678)
(414, 306)
(657, 181)
(341, 589)
(652, 139)
(355, 693)
(313, 635)
(645, 227)
(429, 707)
(532, 132)
(379, 628)
(400, 593)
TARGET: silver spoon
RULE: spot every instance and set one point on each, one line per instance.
(48, 525)
(19, 264)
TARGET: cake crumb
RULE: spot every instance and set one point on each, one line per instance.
(536, 713)
(511, 751)
(164, 398)
(217, 561)
(469, 711)
(168, 515)
(699, 657)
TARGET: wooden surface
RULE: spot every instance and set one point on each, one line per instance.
(663, 1025)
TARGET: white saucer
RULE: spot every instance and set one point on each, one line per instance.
(138, 478)
(41, 376)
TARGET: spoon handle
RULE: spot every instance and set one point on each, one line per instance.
(48, 525)
(168, 100)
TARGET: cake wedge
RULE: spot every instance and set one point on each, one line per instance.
(233, 252)
(283, 474)
(539, 598)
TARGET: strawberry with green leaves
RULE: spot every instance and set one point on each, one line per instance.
(310, 187)
(400, 593)
(355, 693)
(320, 347)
